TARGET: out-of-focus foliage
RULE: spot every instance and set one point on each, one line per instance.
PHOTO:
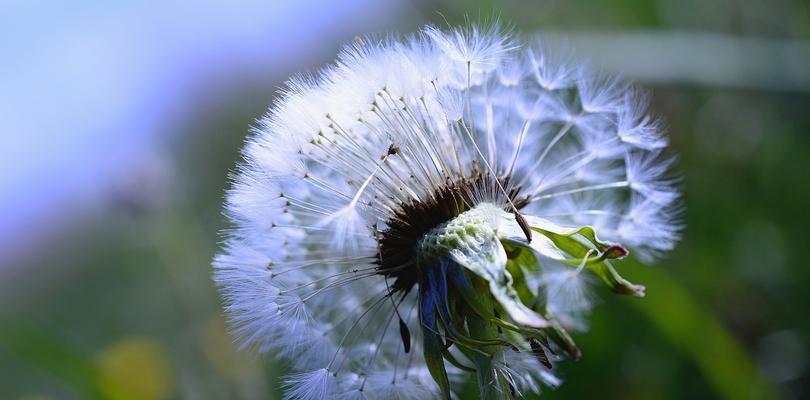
(121, 304)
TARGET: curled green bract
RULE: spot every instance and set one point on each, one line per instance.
(478, 287)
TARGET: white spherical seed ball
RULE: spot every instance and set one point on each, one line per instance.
(415, 212)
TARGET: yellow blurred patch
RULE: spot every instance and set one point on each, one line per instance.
(134, 368)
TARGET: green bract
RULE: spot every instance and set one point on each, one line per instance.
(475, 290)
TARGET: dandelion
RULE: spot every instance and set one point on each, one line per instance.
(439, 207)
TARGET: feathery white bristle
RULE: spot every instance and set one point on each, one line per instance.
(312, 385)
(566, 289)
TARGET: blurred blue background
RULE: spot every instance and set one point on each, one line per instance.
(119, 121)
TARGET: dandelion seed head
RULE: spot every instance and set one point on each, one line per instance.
(431, 198)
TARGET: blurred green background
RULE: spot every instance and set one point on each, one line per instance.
(105, 287)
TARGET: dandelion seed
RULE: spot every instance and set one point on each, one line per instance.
(566, 288)
(436, 207)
